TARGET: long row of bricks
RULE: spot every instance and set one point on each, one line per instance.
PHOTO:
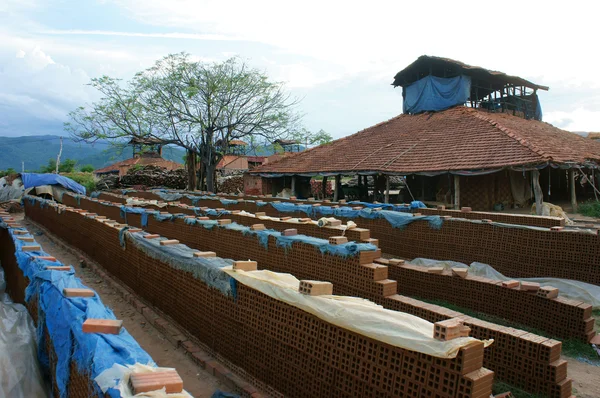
(483, 329)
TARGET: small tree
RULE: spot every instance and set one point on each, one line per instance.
(309, 139)
(88, 168)
(66, 166)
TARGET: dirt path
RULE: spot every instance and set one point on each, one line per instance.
(196, 380)
(586, 378)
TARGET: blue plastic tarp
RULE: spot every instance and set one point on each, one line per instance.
(31, 180)
(433, 93)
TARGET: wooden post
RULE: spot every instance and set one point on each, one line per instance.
(293, 185)
(338, 184)
(324, 188)
(456, 192)
(572, 189)
(537, 192)
(387, 189)
(423, 188)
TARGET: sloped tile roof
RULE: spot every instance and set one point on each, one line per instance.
(456, 139)
(142, 161)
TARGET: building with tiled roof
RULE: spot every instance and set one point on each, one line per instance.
(123, 166)
(468, 136)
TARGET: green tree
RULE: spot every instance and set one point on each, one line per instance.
(66, 166)
(309, 139)
(88, 168)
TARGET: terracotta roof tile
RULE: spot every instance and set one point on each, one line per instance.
(460, 138)
(143, 161)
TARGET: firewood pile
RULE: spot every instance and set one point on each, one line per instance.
(108, 181)
(232, 184)
(11, 206)
(154, 176)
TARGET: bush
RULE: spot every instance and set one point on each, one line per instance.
(88, 168)
(86, 179)
(590, 209)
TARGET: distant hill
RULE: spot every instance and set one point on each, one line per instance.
(35, 151)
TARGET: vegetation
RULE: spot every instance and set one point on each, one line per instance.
(88, 168)
(65, 166)
(198, 106)
(590, 208)
(86, 179)
(7, 172)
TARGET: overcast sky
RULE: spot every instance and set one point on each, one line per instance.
(338, 56)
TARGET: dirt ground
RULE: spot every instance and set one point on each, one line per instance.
(196, 380)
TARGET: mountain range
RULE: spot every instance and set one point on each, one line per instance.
(36, 150)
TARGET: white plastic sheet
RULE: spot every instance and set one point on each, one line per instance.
(358, 315)
(575, 290)
(20, 375)
(117, 377)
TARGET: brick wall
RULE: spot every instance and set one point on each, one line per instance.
(350, 277)
(295, 352)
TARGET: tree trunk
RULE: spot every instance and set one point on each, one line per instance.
(190, 161)
(537, 192)
(387, 189)
(456, 192)
(338, 186)
(210, 177)
(572, 190)
(324, 188)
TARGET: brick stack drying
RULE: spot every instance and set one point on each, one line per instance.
(295, 352)
(354, 276)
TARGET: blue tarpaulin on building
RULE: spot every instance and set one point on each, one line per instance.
(433, 93)
(31, 180)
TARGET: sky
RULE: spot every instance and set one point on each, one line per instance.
(338, 57)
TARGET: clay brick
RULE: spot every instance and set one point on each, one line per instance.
(203, 218)
(290, 232)
(512, 284)
(26, 239)
(461, 272)
(76, 292)
(435, 270)
(152, 381)
(441, 207)
(466, 209)
(33, 248)
(548, 292)
(387, 287)
(382, 261)
(132, 230)
(260, 214)
(245, 265)
(105, 326)
(315, 288)
(368, 256)
(595, 340)
(58, 268)
(396, 261)
(224, 221)
(151, 236)
(372, 241)
(169, 242)
(334, 223)
(47, 258)
(450, 329)
(210, 366)
(258, 227)
(201, 358)
(338, 240)
(139, 306)
(190, 347)
(487, 221)
(19, 232)
(530, 286)
(205, 254)
(285, 218)
(556, 229)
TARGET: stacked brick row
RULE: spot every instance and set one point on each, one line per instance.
(517, 219)
(357, 276)
(80, 383)
(559, 317)
(295, 352)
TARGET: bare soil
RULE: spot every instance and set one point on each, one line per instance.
(196, 380)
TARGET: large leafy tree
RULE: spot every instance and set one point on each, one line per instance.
(205, 106)
(198, 106)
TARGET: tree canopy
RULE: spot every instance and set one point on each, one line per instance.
(196, 105)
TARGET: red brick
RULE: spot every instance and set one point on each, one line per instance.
(105, 326)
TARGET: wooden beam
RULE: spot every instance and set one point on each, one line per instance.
(338, 184)
(572, 190)
(387, 189)
(293, 185)
(456, 192)
(537, 191)
(324, 188)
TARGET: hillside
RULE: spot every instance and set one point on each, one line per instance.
(35, 151)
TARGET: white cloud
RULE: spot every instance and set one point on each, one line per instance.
(173, 35)
(576, 120)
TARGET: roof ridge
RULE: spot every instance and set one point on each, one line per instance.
(511, 133)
